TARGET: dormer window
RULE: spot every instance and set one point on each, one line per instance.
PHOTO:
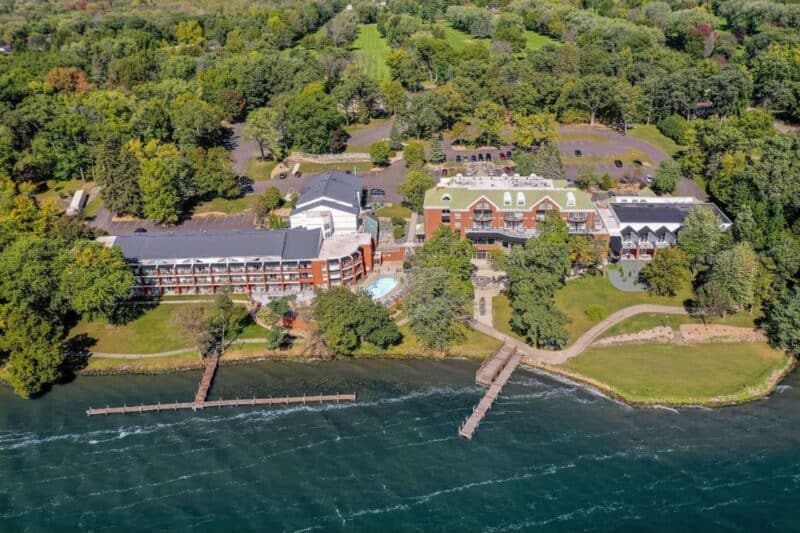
(520, 199)
(446, 198)
(506, 198)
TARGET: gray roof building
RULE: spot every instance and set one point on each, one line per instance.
(279, 244)
(332, 188)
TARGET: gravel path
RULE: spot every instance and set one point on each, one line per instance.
(536, 355)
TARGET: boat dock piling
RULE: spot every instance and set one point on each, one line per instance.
(512, 359)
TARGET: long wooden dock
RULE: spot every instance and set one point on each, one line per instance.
(493, 365)
(470, 425)
(238, 402)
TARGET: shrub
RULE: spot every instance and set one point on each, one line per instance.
(379, 152)
(414, 154)
(596, 312)
(574, 116)
(676, 128)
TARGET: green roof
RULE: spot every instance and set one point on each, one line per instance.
(462, 198)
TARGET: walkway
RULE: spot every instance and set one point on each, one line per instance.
(556, 357)
(471, 424)
(108, 355)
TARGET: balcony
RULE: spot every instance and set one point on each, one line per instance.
(513, 217)
(515, 235)
(482, 216)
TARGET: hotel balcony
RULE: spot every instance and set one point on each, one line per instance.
(513, 217)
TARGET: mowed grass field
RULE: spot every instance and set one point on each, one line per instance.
(154, 331)
(649, 133)
(534, 41)
(370, 50)
(474, 345)
(696, 374)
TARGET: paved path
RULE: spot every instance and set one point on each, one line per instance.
(557, 357)
(107, 355)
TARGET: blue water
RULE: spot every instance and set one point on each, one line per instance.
(381, 287)
(550, 456)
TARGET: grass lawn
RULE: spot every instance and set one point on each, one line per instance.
(316, 168)
(475, 345)
(458, 39)
(258, 170)
(660, 373)
(649, 133)
(152, 332)
(627, 157)
(93, 205)
(393, 211)
(370, 50)
(223, 205)
(534, 41)
(60, 192)
(641, 322)
(580, 293)
(501, 315)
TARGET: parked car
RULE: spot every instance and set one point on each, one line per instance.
(140, 230)
(502, 156)
(648, 178)
(509, 154)
(377, 192)
(507, 170)
(473, 158)
(282, 176)
(637, 162)
(298, 174)
(458, 159)
(490, 172)
(444, 172)
(578, 153)
(488, 157)
(480, 157)
(618, 163)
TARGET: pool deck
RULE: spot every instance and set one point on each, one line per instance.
(374, 276)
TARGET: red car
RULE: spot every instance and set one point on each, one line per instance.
(502, 156)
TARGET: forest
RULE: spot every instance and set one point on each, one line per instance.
(140, 97)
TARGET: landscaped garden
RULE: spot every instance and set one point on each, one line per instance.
(696, 374)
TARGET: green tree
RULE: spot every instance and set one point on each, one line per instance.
(414, 187)
(732, 282)
(593, 93)
(783, 321)
(164, 180)
(116, 171)
(668, 174)
(94, 278)
(447, 250)
(667, 273)
(212, 173)
(533, 130)
(394, 96)
(414, 154)
(380, 152)
(197, 123)
(270, 200)
(34, 350)
(701, 236)
(267, 127)
(436, 304)
(189, 32)
(314, 119)
(436, 152)
(346, 319)
(276, 337)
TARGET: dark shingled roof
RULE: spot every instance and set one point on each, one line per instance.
(332, 184)
(286, 244)
(661, 213)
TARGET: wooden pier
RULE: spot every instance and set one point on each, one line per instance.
(493, 365)
(208, 376)
(470, 425)
(238, 402)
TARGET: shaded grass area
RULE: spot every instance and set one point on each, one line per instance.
(315, 168)
(153, 331)
(649, 133)
(458, 39)
(644, 321)
(233, 206)
(501, 318)
(696, 374)
(370, 51)
(258, 170)
(474, 345)
(396, 210)
(534, 41)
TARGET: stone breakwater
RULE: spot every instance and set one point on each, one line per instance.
(687, 334)
(657, 334)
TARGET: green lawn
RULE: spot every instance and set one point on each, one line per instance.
(580, 293)
(370, 51)
(60, 192)
(394, 211)
(152, 332)
(93, 205)
(258, 170)
(457, 38)
(651, 320)
(316, 168)
(649, 133)
(501, 315)
(534, 41)
(659, 373)
(224, 205)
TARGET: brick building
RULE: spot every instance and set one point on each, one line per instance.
(498, 211)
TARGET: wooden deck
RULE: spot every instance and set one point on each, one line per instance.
(493, 365)
(208, 376)
(238, 402)
(470, 425)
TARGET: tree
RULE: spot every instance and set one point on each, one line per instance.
(667, 273)
(189, 32)
(701, 236)
(346, 319)
(210, 327)
(594, 93)
(534, 130)
(267, 127)
(164, 180)
(447, 250)
(34, 348)
(268, 201)
(394, 96)
(276, 337)
(732, 282)
(436, 306)
(783, 321)
(586, 252)
(197, 123)
(414, 154)
(94, 278)
(414, 187)
(116, 171)
(315, 119)
(380, 152)
(668, 174)
(436, 153)
(212, 173)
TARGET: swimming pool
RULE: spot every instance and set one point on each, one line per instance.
(381, 287)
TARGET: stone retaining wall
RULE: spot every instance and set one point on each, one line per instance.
(351, 157)
(658, 334)
(694, 333)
